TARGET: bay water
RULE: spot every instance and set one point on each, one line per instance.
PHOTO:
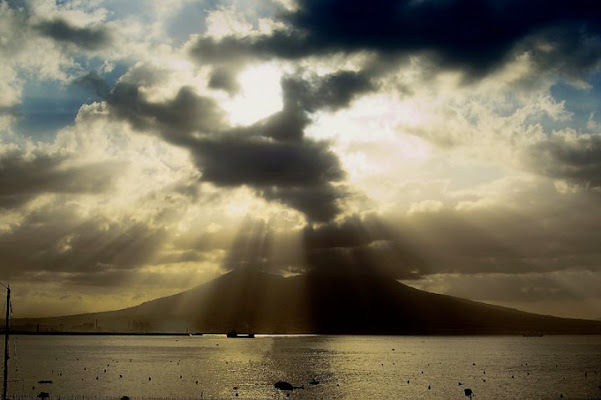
(322, 367)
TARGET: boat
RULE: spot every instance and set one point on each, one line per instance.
(234, 334)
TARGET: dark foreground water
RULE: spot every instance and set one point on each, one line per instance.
(346, 367)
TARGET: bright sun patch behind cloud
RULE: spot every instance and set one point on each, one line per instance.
(260, 94)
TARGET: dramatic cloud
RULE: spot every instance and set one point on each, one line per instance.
(477, 35)
(24, 176)
(155, 145)
(574, 157)
(86, 38)
(225, 78)
(361, 247)
(271, 156)
(59, 241)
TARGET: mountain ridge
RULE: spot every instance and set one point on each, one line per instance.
(248, 299)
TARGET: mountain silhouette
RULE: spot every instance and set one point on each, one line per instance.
(250, 300)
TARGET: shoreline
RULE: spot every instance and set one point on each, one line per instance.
(28, 333)
(199, 334)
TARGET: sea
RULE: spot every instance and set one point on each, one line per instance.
(318, 367)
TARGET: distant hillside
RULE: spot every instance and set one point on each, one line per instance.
(250, 300)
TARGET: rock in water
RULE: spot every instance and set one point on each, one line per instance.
(283, 385)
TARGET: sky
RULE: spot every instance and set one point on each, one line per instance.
(147, 147)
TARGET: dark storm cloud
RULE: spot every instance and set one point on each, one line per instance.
(234, 161)
(234, 51)
(351, 232)
(471, 33)
(553, 232)
(475, 35)
(225, 78)
(23, 177)
(286, 125)
(330, 92)
(571, 48)
(576, 158)
(271, 156)
(57, 242)
(275, 158)
(297, 174)
(176, 119)
(361, 246)
(320, 202)
(93, 81)
(86, 38)
(550, 232)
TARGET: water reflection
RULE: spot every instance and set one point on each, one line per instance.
(333, 367)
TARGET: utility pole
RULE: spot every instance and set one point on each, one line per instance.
(6, 332)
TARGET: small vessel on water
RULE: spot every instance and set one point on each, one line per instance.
(234, 334)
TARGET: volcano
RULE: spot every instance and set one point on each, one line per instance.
(250, 300)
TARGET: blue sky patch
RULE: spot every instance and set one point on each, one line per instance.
(48, 106)
(581, 102)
